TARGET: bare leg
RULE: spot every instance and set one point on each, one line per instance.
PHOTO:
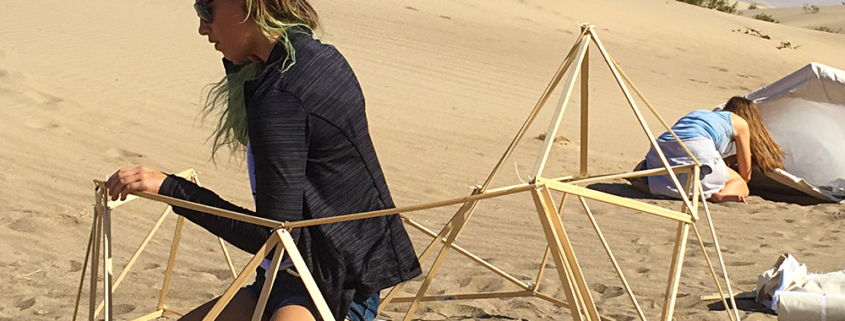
(637, 182)
(240, 308)
(735, 190)
(293, 313)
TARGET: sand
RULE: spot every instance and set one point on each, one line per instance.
(88, 87)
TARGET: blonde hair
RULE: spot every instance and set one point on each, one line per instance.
(765, 152)
(225, 98)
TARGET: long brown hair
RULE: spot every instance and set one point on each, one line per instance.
(765, 152)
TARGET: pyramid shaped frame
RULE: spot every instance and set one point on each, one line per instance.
(578, 298)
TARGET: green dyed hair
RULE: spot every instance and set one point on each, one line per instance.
(226, 98)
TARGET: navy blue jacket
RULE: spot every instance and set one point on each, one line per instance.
(314, 158)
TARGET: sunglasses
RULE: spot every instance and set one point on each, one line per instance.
(203, 12)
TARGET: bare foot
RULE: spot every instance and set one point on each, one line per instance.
(721, 198)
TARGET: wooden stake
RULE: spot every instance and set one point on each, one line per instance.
(555, 244)
(607, 250)
(171, 262)
(554, 125)
(305, 275)
(269, 280)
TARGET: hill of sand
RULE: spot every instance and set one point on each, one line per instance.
(826, 19)
(87, 87)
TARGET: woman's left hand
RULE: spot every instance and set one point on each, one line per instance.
(137, 179)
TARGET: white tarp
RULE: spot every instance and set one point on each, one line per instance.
(796, 295)
(805, 112)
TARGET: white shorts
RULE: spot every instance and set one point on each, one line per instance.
(714, 172)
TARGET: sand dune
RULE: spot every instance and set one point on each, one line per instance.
(828, 18)
(87, 89)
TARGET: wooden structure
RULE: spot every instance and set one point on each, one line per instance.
(578, 299)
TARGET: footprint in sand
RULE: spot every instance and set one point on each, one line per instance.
(608, 292)
(40, 124)
(123, 308)
(25, 304)
(220, 274)
(411, 8)
(739, 263)
(445, 17)
(121, 153)
(42, 98)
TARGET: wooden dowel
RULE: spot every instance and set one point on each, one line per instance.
(241, 280)
(269, 280)
(640, 118)
(228, 258)
(675, 271)
(616, 200)
(471, 256)
(616, 266)
(151, 316)
(95, 257)
(108, 290)
(540, 103)
(461, 217)
(305, 275)
(171, 262)
(585, 111)
(719, 254)
(561, 265)
(84, 268)
(554, 125)
(135, 256)
(349, 217)
(548, 249)
(713, 273)
(466, 296)
(654, 111)
(640, 173)
(569, 252)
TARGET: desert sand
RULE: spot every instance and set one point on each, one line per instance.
(87, 87)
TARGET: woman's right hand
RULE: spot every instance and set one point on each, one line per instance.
(137, 179)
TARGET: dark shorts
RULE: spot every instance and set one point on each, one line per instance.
(289, 290)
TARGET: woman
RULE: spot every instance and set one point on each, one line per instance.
(296, 107)
(709, 135)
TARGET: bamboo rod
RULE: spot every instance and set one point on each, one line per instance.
(171, 262)
(654, 111)
(675, 271)
(713, 273)
(135, 256)
(269, 280)
(540, 103)
(471, 256)
(84, 268)
(616, 200)
(616, 266)
(236, 285)
(585, 111)
(641, 173)
(554, 125)
(640, 118)
(350, 217)
(108, 290)
(95, 257)
(458, 221)
(719, 253)
(555, 244)
(305, 275)
(569, 252)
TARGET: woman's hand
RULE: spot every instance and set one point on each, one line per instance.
(137, 179)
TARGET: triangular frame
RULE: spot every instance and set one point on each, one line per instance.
(578, 297)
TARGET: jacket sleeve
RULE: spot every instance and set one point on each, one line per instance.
(278, 128)
(245, 236)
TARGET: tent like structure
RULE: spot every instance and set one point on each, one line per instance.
(803, 111)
